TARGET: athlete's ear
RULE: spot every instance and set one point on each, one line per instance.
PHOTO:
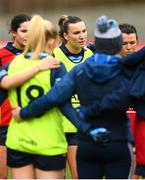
(65, 35)
(14, 34)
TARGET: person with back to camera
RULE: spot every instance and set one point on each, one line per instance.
(7, 82)
(30, 143)
(18, 28)
(134, 65)
(72, 51)
(106, 150)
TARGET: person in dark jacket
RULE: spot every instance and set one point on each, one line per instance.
(130, 42)
(125, 96)
(109, 153)
(135, 63)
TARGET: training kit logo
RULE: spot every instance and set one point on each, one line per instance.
(75, 100)
(32, 142)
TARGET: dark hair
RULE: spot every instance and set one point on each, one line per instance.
(128, 29)
(64, 22)
(17, 20)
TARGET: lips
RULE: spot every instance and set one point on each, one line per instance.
(129, 53)
(82, 42)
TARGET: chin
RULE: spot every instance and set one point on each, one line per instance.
(24, 44)
(82, 45)
(129, 53)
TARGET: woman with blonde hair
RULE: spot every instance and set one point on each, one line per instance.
(37, 147)
(18, 29)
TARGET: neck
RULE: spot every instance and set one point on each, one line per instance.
(18, 46)
(72, 49)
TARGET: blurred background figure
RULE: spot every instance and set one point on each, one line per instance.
(18, 29)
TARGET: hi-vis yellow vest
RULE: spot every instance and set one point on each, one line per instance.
(59, 54)
(40, 135)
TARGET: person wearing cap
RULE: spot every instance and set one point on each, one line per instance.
(104, 151)
(134, 65)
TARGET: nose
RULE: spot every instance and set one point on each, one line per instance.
(128, 46)
(82, 35)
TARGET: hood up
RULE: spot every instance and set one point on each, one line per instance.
(102, 68)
